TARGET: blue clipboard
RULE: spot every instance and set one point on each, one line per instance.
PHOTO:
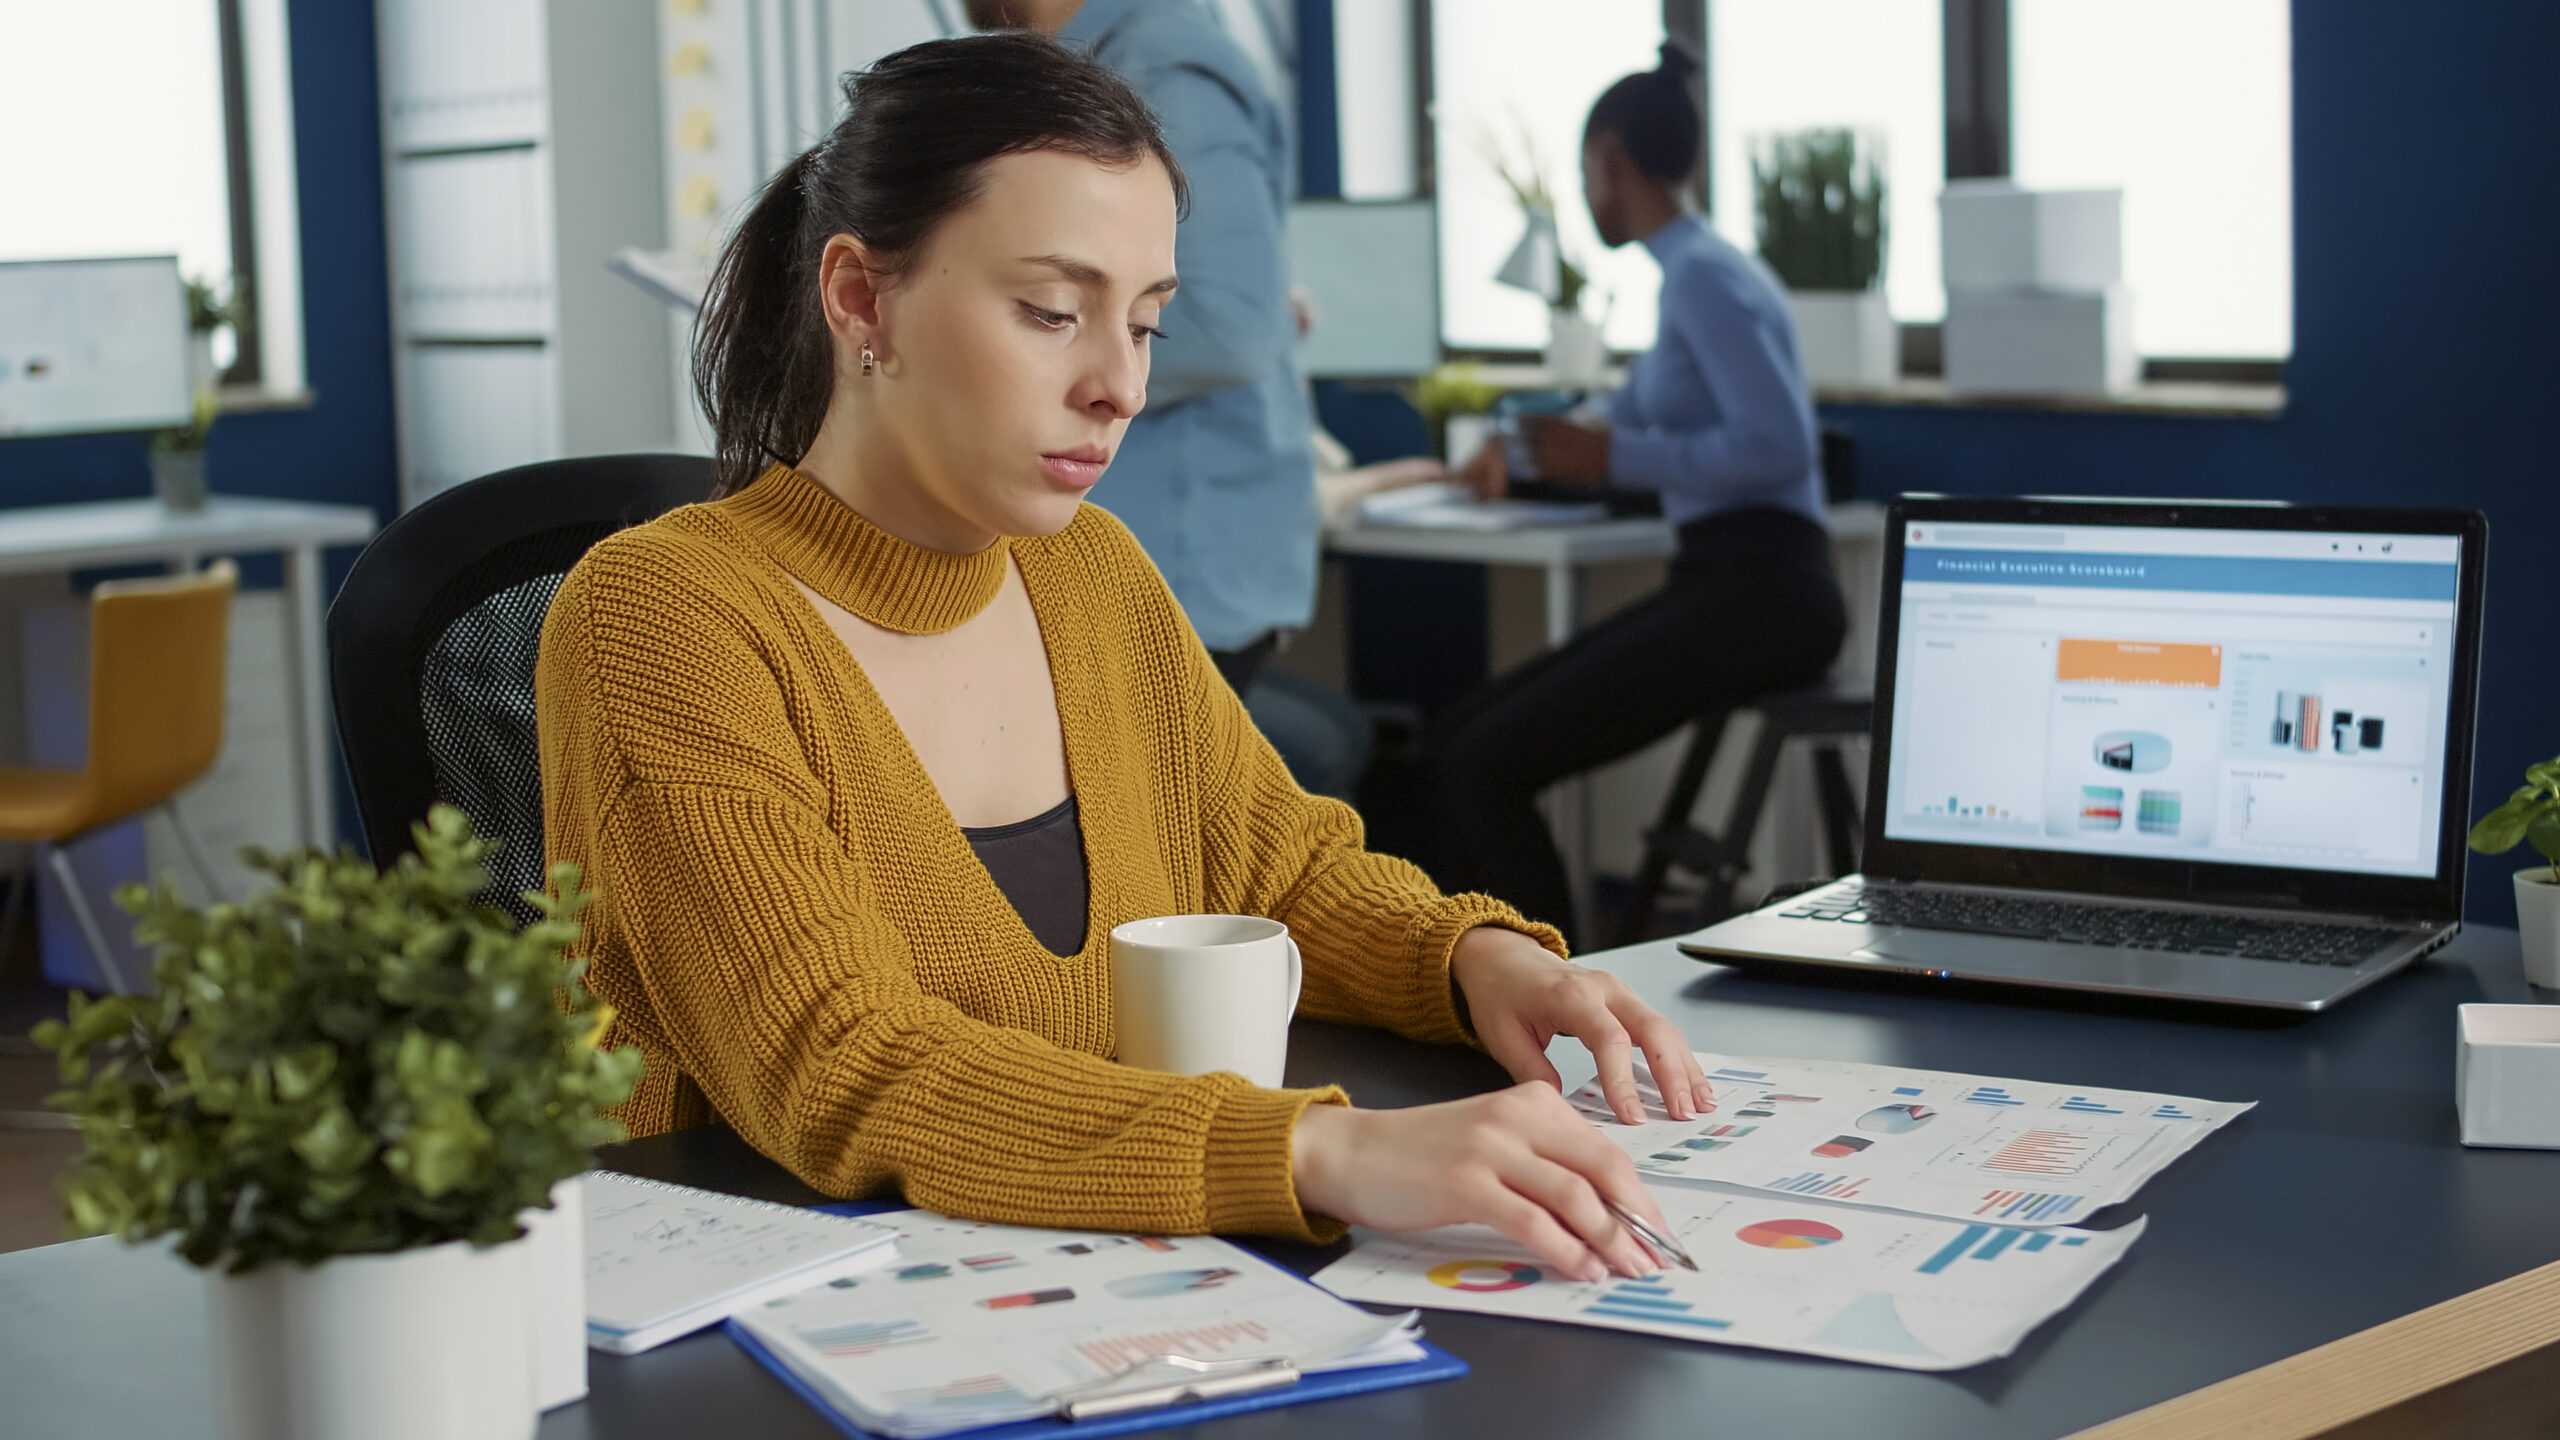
(1435, 1364)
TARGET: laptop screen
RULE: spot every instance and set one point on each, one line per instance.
(2261, 697)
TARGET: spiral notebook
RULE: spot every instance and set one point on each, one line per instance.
(666, 1260)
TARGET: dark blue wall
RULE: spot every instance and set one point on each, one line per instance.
(340, 450)
(2426, 312)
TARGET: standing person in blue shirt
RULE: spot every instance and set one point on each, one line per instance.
(1216, 479)
(1716, 418)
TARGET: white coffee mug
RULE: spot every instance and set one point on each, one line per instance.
(1196, 993)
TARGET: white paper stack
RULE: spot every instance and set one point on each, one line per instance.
(666, 1260)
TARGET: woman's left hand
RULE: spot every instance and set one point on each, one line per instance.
(1520, 997)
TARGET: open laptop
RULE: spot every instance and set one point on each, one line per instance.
(2211, 752)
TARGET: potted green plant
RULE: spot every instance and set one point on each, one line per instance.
(2531, 816)
(177, 458)
(342, 1101)
(1819, 201)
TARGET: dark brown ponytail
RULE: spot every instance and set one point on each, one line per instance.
(918, 129)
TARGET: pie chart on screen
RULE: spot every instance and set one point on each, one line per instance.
(1484, 1275)
(1788, 1234)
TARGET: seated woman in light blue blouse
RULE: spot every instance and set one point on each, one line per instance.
(1717, 420)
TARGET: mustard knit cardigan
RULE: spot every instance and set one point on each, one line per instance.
(800, 940)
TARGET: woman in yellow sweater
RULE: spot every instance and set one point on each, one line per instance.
(785, 731)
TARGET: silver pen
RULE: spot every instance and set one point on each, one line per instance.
(1662, 1244)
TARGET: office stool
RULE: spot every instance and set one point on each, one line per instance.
(1823, 716)
(158, 655)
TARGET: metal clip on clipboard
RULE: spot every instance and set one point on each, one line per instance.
(1200, 1380)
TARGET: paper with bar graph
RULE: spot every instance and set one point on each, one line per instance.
(1968, 1147)
(978, 1324)
(1907, 1291)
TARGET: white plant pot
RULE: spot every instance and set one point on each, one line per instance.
(432, 1344)
(556, 1290)
(1846, 337)
(1577, 351)
(2538, 925)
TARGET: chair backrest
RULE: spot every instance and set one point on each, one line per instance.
(158, 658)
(433, 638)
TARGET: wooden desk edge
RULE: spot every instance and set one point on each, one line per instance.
(2366, 1373)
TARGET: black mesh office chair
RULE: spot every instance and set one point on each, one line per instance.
(433, 639)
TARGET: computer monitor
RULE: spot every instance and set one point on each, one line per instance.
(1369, 265)
(92, 345)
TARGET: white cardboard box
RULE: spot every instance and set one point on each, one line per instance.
(1997, 235)
(2040, 342)
(2506, 1073)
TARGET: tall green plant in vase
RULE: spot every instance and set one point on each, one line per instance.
(1540, 263)
(1818, 205)
(359, 1083)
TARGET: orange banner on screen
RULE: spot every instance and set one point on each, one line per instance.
(2140, 662)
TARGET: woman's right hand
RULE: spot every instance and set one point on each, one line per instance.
(1520, 1160)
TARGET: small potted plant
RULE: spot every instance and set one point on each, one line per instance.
(2531, 816)
(177, 458)
(343, 1099)
(1820, 210)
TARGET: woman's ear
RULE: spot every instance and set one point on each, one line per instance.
(848, 288)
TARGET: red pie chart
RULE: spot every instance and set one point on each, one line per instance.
(1788, 1234)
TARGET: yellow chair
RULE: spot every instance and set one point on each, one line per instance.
(157, 661)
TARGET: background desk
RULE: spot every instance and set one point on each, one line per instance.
(2342, 1201)
(56, 539)
(1564, 555)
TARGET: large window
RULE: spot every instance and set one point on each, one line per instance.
(120, 140)
(2208, 176)
(2057, 93)
(1868, 65)
(1521, 75)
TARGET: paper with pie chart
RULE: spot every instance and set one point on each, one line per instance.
(1966, 1147)
(1907, 1291)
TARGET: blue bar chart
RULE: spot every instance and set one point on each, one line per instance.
(1815, 1182)
(1654, 1304)
(1991, 1242)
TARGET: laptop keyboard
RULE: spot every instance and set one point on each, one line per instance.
(2067, 923)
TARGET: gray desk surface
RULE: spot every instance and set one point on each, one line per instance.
(2343, 1201)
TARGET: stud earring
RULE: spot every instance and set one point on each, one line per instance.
(870, 362)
